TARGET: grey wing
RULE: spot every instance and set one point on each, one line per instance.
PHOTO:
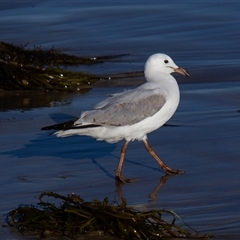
(126, 108)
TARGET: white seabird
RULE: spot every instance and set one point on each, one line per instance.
(132, 114)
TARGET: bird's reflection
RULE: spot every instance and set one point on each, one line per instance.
(152, 195)
(162, 181)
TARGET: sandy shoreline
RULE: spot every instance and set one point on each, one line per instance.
(203, 141)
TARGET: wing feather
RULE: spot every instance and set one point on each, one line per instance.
(125, 108)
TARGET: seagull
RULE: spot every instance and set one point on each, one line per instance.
(132, 114)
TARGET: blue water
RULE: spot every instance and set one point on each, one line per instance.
(202, 36)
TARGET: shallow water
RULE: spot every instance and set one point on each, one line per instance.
(201, 36)
(204, 139)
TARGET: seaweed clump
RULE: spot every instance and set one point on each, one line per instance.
(38, 69)
(74, 217)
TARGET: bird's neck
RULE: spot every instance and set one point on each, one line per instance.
(164, 81)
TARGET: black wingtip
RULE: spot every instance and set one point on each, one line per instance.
(68, 125)
(47, 128)
(61, 126)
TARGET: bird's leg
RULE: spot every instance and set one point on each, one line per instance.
(118, 172)
(164, 167)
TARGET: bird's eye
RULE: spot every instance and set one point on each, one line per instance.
(166, 61)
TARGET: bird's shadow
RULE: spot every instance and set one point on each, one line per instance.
(74, 147)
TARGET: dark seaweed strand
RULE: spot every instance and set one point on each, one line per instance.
(73, 217)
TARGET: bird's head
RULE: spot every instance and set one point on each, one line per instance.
(162, 63)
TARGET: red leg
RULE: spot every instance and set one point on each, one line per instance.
(164, 167)
(118, 172)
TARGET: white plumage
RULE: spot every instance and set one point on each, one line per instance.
(134, 113)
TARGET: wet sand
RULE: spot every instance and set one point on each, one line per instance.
(202, 138)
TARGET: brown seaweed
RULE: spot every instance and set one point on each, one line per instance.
(73, 217)
(38, 69)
